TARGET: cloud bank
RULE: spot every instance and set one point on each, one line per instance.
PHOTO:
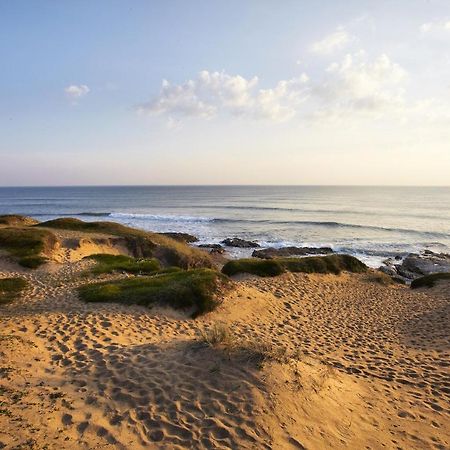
(354, 85)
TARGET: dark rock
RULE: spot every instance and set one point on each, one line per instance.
(181, 237)
(269, 253)
(213, 248)
(427, 263)
(240, 243)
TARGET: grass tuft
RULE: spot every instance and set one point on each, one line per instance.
(429, 280)
(313, 264)
(196, 288)
(121, 263)
(380, 278)
(10, 288)
(27, 244)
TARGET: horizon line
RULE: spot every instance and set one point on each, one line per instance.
(221, 185)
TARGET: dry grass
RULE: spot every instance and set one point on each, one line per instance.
(251, 351)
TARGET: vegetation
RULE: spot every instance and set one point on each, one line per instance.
(250, 350)
(196, 288)
(16, 220)
(429, 280)
(380, 278)
(142, 244)
(313, 264)
(10, 288)
(121, 263)
(27, 244)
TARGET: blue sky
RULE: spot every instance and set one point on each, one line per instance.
(256, 92)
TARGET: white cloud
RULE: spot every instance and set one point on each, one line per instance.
(212, 93)
(358, 85)
(438, 26)
(75, 92)
(334, 41)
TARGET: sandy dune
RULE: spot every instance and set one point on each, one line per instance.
(365, 366)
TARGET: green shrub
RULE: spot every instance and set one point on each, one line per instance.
(141, 244)
(11, 287)
(312, 264)
(27, 244)
(196, 288)
(121, 263)
(429, 280)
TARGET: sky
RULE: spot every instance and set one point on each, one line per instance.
(350, 92)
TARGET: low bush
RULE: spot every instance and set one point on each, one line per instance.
(429, 280)
(121, 263)
(27, 244)
(196, 288)
(10, 288)
(313, 264)
(380, 278)
(16, 220)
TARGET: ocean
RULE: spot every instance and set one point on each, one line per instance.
(372, 223)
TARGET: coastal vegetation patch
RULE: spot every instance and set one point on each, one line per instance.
(10, 288)
(315, 264)
(195, 289)
(27, 245)
(16, 220)
(140, 243)
(106, 263)
(429, 280)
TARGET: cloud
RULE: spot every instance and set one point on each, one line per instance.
(355, 87)
(359, 85)
(333, 42)
(75, 92)
(435, 27)
(212, 93)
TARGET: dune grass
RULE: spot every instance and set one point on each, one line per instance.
(16, 220)
(10, 288)
(313, 264)
(120, 263)
(26, 245)
(142, 244)
(196, 289)
(429, 280)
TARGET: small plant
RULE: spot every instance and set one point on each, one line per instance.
(120, 263)
(429, 280)
(380, 278)
(218, 334)
(10, 288)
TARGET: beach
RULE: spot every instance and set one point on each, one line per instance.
(296, 361)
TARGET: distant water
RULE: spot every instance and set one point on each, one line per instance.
(371, 223)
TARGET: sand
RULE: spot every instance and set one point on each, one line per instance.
(364, 366)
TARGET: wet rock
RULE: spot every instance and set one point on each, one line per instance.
(427, 263)
(181, 237)
(417, 265)
(240, 243)
(269, 253)
(213, 248)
